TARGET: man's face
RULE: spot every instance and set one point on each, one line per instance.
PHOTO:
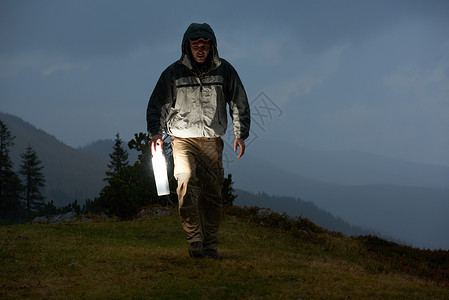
(200, 49)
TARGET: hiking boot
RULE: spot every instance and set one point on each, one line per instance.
(196, 249)
(211, 253)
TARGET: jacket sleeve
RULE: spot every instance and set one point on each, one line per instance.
(238, 104)
(160, 103)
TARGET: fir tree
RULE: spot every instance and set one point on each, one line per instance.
(227, 191)
(132, 187)
(34, 180)
(119, 159)
(10, 186)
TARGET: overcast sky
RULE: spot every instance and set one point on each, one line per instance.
(360, 75)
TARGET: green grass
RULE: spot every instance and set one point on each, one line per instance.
(148, 259)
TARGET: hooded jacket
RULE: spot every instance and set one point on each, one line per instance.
(189, 99)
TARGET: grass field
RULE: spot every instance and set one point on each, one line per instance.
(148, 259)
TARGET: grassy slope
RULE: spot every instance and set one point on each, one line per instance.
(147, 258)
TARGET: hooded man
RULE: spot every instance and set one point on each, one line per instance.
(189, 104)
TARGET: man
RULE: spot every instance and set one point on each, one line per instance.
(189, 102)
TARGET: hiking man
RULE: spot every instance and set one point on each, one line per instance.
(189, 104)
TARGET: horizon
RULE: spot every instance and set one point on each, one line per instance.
(234, 159)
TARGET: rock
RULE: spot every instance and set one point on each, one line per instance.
(65, 218)
(263, 213)
(58, 219)
(160, 211)
(40, 220)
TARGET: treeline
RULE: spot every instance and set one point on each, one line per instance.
(20, 193)
(129, 187)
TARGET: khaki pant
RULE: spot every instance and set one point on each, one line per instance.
(199, 172)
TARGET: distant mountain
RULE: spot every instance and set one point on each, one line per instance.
(348, 167)
(102, 148)
(71, 174)
(300, 208)
(99, 149)
(417, 215)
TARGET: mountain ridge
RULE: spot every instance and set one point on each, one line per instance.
(70, 173)
(349, 167)
(296, 207)
(413, 214)
(102, 148)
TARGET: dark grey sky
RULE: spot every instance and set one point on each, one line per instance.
(360, 75)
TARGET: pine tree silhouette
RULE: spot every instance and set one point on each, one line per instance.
(119, 159)
(34, 180)
(10, 185)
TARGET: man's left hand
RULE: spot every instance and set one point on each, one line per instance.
(239, 143)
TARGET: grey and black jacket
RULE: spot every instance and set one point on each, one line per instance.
(190, 99)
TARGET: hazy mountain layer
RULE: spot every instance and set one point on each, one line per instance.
(417, 215)
(70, 173)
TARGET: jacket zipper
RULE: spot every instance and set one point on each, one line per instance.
(200, 77)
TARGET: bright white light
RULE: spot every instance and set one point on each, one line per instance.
(160, 173)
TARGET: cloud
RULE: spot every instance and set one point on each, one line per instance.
(81, 29)
(64, 67)
(10, 66)
(411, 79)
(85, 28)
(45, 64)
(423, 90)
(306, 74)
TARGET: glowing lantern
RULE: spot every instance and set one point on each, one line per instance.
(160, 172)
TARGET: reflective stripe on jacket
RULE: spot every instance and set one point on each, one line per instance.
(191, 107)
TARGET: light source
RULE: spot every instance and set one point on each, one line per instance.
(160, 172)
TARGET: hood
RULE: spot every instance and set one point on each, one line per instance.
(196, 31)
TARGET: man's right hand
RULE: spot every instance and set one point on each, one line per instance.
(156, 141)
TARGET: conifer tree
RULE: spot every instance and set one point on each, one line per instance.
(119, 159)
(10, 186)
(133, 187)
(34, 180)
(227, 191)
